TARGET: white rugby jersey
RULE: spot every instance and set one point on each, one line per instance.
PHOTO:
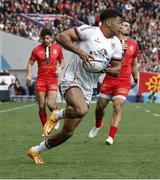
(94, 42)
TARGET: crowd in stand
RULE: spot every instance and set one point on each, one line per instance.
(143, 14)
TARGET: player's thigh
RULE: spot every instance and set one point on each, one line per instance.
(105, 95)
(74, 97)
(51, 98)
(41, 97)
(40, 90)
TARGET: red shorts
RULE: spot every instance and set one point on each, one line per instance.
(115, 89)
(46, 85)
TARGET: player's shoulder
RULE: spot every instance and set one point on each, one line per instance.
(117, 41)
(38, 47)
(55, 45)
(132, 41)
(85, 27)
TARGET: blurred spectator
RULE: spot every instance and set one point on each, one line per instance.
(19, 90)
(12, 88)
(17, 79)
(4, 72)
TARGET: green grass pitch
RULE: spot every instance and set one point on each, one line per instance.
(135, 153)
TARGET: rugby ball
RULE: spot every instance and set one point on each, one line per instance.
(95, 66)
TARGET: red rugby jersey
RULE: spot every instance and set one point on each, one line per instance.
(46, 68)
(130, 55)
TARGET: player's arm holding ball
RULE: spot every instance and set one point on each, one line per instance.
(67, 39)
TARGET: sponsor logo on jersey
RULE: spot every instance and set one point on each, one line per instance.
(101, 53)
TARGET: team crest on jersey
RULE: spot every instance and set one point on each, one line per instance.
(131, 48)
(54, 52)
(112, 45)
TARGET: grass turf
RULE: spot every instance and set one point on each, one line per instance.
(135, 153)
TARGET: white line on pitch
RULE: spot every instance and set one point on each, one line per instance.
(147, 110)
(17, 108)
(156, 114)
(138, 107)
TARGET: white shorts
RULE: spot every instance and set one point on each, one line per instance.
(66, 85)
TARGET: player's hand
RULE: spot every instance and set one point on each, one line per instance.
(28, 80)
(85, 56)
(107, 69)
(133, 84)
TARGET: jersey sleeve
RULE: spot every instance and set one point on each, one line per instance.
(33, 56)
(84, 32)
(60, 56)
(117, 55)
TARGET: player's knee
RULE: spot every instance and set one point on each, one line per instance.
(41, 108)
(41, 105)
(51, 107)
(117, 108)
(82, 111)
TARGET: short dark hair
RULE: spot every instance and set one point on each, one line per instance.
(110, 13)
(45, 32)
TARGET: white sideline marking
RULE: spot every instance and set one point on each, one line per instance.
(17, 108)
(138, 107)
(147, 110)
(156, 114)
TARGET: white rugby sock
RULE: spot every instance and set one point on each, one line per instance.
(60, 114)
(40, 148)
